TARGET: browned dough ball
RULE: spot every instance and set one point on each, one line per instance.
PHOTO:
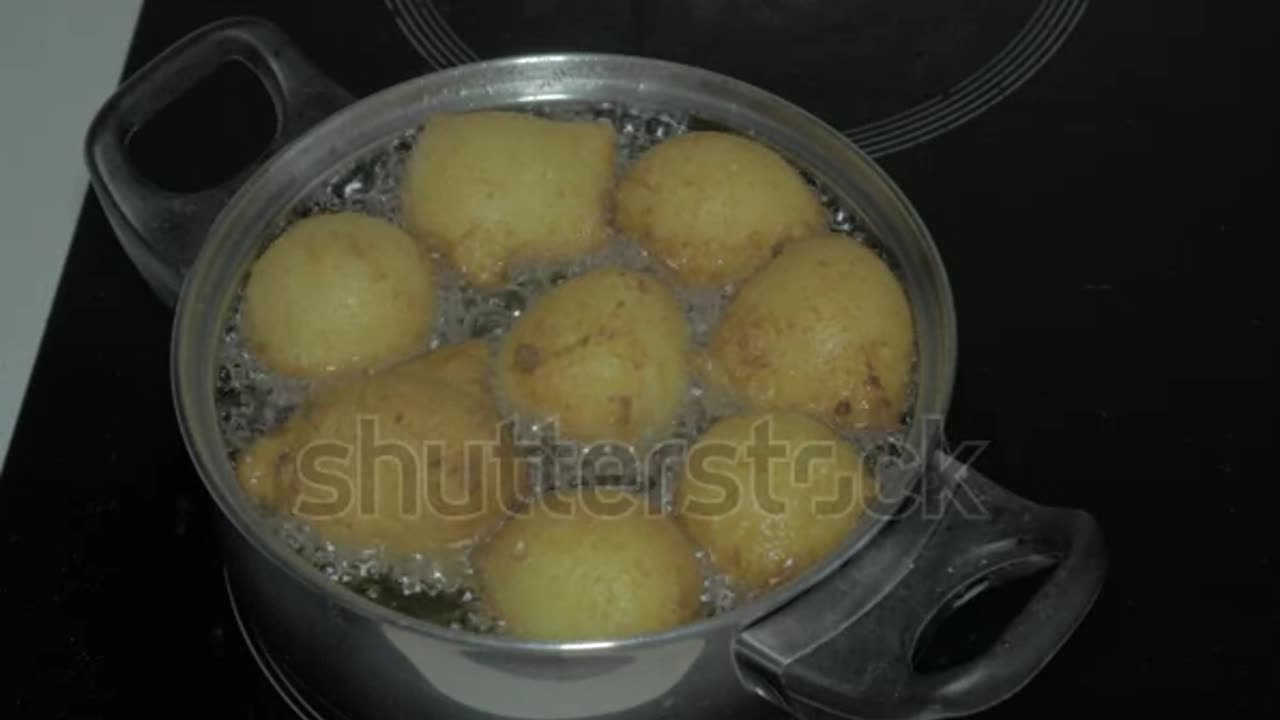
(498, 190)
(827, 329)
(466, 365)
(606, 355)
(403, 460)
(714, 206)
(590, 564)
(338, 292)
(769, 495)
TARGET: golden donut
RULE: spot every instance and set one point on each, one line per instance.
(338, 292)
(605, 354)
(589, 564)
(825, 328)
(714, 206)
(341, 462)
(495, 190)
(465, 366)
(765, 521)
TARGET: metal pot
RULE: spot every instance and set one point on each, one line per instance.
(837, 642)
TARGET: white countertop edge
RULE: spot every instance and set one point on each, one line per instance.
(59, 60)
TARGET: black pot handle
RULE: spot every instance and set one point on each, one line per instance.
(162, 231)
(844, 649)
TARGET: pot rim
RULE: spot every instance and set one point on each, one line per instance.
(239, 514)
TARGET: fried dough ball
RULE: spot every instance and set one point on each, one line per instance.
(465, 366)
(606, 355)
(825, 328)
(714, 205)
(771, 494)
(589, 564)
(338, 292)
(495, 190)
(341, 462)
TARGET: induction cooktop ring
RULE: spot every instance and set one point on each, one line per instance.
(289, 693)
(1038, 40)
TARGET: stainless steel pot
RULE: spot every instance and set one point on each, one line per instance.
(837, 642)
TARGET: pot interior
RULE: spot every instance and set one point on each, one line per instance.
(351, 162)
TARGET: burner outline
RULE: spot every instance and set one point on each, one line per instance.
(1034, 45)
(430, 34)
(1028, 51)
(291, 695)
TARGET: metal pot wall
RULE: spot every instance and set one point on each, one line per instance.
(836, 642)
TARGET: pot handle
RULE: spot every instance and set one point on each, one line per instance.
(844, 649)
(162, 231)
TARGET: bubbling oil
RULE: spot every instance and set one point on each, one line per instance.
(252, 400)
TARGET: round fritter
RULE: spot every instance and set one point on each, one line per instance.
(399, 460)
(589, 564)
(605, 355)
(466, 365)
(771, 494)
(825, 328)
(496, 190)
(338, 292)
(715, 206)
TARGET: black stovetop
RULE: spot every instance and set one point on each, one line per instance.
(1114, 347)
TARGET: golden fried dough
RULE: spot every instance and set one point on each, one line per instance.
(714, 206)
(589, 564)
(465, 366)
(338, 292)
(495, 190)
(771, 494)
(605, 354)
(825, 328)
(399, 460)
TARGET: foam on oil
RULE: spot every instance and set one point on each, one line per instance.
(252, 400)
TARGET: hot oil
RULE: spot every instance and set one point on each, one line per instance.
(253, 401)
